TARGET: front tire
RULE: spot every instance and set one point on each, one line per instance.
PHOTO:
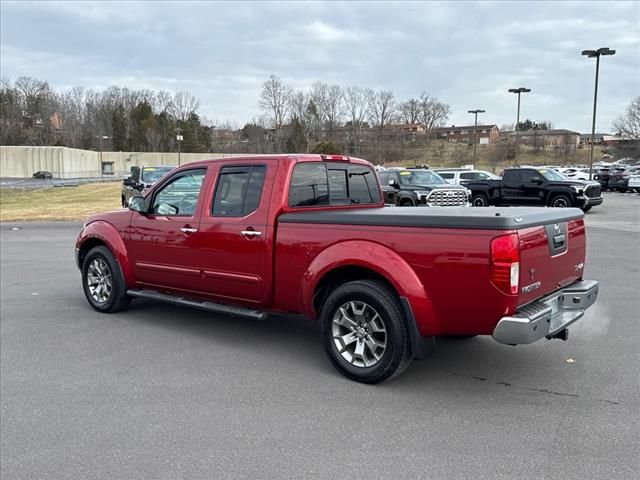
(364, 332)
(103, 282)
(586, 209)
(560, 201)
(479, 200)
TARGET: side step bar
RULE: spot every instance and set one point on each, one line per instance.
(200, 304)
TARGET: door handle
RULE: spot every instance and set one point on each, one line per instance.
(188, 230)
(250, 233)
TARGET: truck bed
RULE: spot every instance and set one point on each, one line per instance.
(448, 249)
(490, 218)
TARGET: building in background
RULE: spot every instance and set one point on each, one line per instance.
(605, 139)
(482, 134)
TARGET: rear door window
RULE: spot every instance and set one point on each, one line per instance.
(238, 190)
(512, 176)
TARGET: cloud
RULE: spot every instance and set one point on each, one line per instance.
(467, 54)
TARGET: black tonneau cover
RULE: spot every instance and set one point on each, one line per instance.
(488, 218)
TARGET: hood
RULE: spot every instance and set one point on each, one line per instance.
(574, 183)
(113, 217)
(447, 186)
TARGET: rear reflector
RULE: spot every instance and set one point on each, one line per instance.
(505, 263)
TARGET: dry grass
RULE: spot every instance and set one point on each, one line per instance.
(58, 203)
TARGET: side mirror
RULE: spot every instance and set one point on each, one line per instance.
(137, 204)
(393, 183)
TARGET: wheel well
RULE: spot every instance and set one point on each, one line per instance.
(553, 195)
(340, 276)
(86, 248)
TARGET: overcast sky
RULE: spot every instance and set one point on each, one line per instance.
(467, 54)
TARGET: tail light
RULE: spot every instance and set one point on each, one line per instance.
(505, 263)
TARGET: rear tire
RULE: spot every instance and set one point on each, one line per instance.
(560, 201)
(364, 332)
(479, 200)
(103, 282)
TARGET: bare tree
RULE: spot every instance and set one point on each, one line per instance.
(274, 100)
(410, 111)
(329, 102)
(356, 102)
(163, 101)
(183, 105)
(300, 112)
(382, 109)
(628, 124)
(31, 93)
(433, 113)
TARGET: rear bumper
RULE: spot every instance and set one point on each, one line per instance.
(548, 317)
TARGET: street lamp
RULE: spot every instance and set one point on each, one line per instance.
(101, 138)
(179, 139)
(596, 54)
(518, 91)
(475, 132)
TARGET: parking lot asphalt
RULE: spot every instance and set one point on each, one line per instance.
(162, 392)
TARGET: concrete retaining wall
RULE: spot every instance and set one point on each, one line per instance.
(63, 162)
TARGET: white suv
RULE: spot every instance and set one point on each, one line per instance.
(460, 176)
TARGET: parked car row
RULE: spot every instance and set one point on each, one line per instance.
(464, 187)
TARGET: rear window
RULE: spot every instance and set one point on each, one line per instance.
(446, 176)
(331, 183)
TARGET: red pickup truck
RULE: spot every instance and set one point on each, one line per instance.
(310, 234)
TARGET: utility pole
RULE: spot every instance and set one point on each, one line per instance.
(518, 91)
(475, 133)
(179, 139)
(596, 54)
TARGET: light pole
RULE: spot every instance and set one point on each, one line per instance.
(179, 139)
(475, 133)
(518, 91)
(101, 137)
(596, 54)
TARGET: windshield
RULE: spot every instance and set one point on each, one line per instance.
(420, 177)
(153, 174)
(551, 174)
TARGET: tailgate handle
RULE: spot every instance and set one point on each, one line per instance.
(558, 241)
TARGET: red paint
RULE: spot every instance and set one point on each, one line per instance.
(446, 274)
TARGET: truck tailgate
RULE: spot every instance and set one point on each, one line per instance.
(551, 256)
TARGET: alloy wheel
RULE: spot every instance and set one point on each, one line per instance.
(99, 280)
(359, 334)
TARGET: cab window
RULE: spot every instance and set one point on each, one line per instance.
(332, 183)
(180, 195)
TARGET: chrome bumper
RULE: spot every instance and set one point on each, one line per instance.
(548, 317)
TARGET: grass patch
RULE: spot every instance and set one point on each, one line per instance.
(58, 203)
